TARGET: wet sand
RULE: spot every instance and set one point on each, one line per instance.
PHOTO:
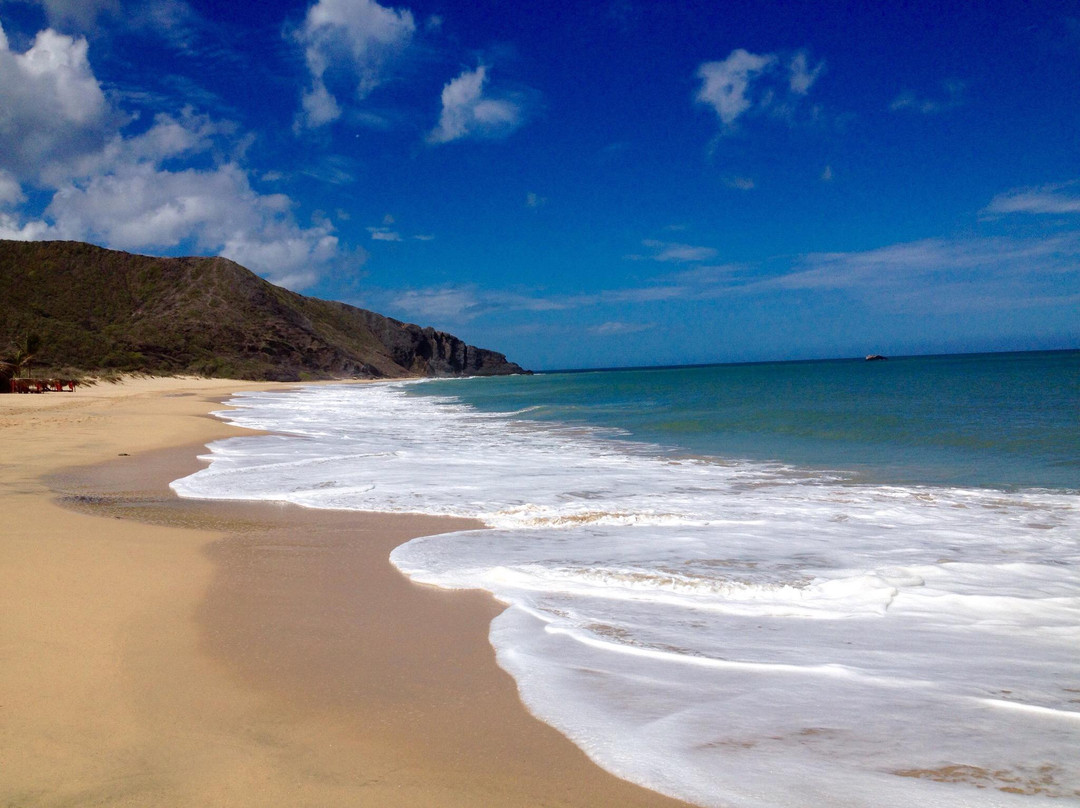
(158, 651)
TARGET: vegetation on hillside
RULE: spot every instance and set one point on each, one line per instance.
(96, 310)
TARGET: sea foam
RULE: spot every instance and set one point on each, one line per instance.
(730, 633)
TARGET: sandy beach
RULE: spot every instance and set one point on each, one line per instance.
(156, 651)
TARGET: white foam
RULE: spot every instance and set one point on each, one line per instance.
(729, 633)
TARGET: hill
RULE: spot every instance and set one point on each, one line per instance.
(97, 309)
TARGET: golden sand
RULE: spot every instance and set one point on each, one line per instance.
(160, 652)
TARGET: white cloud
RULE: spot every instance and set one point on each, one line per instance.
(10, 190)
(944, 276)
(286, 254)
(1040, 200)
(384, 234)
(876, 267)
(128, 200)
(52, 109)
(534, 200)
(469, 112)
(461, 303)
(725, 84)
(170, 137)
(678, 253)
(456, 304)
(387, 231)
(349, 44)
(746, 81)
(616, 328)
(962, 276)
(437, 304)
(319, 106)
(952, 97)
(177, 185)
(11, 228)
(802, 75)
(141, 206)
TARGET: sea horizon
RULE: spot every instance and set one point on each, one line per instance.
(852, 358)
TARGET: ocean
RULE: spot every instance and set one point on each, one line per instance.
(837, 583)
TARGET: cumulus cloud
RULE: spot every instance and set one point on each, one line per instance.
(11, 227)
(186, 134)
(286, 254)
(140, 206)
(1041, 200)
(468, 111)
(746, 82)
(59, 132)
(10, 190)
(52, 109)
(725, 85)
(348, 47)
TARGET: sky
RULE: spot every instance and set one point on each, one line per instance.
(577, 184)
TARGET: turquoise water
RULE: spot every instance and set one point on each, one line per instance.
(997, 420)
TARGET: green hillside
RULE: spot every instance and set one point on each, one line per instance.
(104, 310)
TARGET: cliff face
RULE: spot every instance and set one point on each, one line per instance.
(427, 352)
(98, 309)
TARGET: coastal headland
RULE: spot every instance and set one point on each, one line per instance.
(88, 310)
(159, 651)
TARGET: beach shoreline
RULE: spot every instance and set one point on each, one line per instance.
(173, 652)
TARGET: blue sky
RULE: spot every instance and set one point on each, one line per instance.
(577, 184)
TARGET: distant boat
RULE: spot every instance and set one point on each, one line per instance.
(875, 357)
